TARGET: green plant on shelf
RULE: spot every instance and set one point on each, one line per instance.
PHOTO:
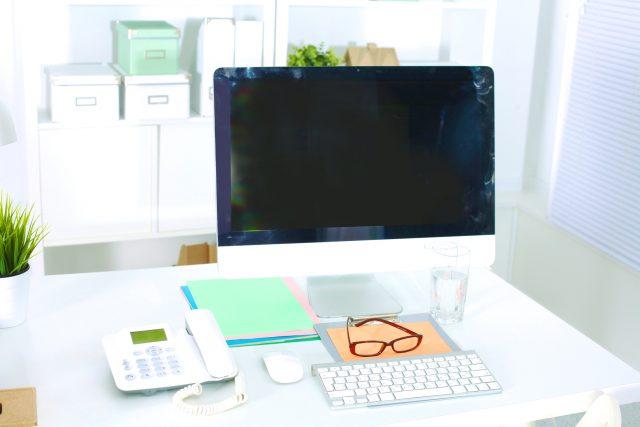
(312, 56)
(20, 234)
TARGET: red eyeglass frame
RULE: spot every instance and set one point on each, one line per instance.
(352, 345)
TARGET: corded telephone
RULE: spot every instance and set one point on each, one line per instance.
(154, 357)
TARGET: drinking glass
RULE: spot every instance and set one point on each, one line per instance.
(449, 279)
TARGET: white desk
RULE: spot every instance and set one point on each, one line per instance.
(539, 360)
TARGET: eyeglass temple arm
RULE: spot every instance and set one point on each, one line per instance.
(409, 331)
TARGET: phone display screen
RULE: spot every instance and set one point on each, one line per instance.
(152, 335)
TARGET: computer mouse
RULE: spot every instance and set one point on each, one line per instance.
(283, 367)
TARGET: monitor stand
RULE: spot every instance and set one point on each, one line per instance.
(355, 295)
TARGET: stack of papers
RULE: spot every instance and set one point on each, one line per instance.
(255, 311)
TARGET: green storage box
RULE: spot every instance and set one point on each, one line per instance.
(147, 47)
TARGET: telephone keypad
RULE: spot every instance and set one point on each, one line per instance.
(162, 365)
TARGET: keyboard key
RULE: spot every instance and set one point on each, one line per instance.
(475, 380)
(374, 377)
(388, 369)
(453, 382)
(363, 384)
(361, 392)
(483, 387)
(471, 387)
(369, 365)
(405, 362)
(459, 389)
(387, 396)
(463, 381)
(363, 377)
(384, 389)
(375, 383)
(386, 376)
(410, 380)
(320, 370)
(441, 384)
(422, 393)
(339, 380)
(361, 400)
(407, 387)
(377, 370)
(478, 367)
(352, 386)
(354, 372)
(329, 387)
(349, 400)
(334, 368)
(339, 387)
(328, 375)
(373, 398)
(494, 386)
(419, 386)
(488, 379)
(351, 380)
(430, 385)
(337, 402)
(372, 390)
(386, 382)
(343, 373)
(342, 393)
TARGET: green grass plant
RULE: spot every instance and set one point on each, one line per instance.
(20, 235)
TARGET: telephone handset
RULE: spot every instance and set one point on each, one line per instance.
(154, 357)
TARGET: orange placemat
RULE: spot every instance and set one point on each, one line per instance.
(432, 342)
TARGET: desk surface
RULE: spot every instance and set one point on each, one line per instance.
(546, 367)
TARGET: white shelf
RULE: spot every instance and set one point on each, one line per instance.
(411, 4)
(51, 243)
(44, 122)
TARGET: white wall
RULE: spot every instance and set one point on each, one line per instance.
(13, 171)
(548, 70)
(593, 292)
(515, 42)
(590, 290)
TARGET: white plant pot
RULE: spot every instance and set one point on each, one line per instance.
(14, 297)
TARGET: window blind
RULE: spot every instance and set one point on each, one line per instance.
(596, 185)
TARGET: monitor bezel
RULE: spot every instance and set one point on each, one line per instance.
(222, 81)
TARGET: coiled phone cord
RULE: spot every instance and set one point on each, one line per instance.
(238, 399)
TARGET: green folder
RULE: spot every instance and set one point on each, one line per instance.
(246, 307)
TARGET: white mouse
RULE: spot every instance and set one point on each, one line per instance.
(283, 367)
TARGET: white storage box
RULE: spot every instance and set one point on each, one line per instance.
(83, 93)
(248, 44)
(216, 43)
(156, 96)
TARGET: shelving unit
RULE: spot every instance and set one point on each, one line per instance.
(154, 179)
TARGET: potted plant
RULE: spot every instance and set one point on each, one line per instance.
(20, 234)
(312, 56)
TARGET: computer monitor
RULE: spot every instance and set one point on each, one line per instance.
(351, 170)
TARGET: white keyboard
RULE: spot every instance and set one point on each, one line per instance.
(405, 379)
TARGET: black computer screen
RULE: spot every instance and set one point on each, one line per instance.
(346, 153)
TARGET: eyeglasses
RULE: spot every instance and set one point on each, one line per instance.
(371, 348)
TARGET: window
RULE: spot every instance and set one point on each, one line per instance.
(596, 184)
